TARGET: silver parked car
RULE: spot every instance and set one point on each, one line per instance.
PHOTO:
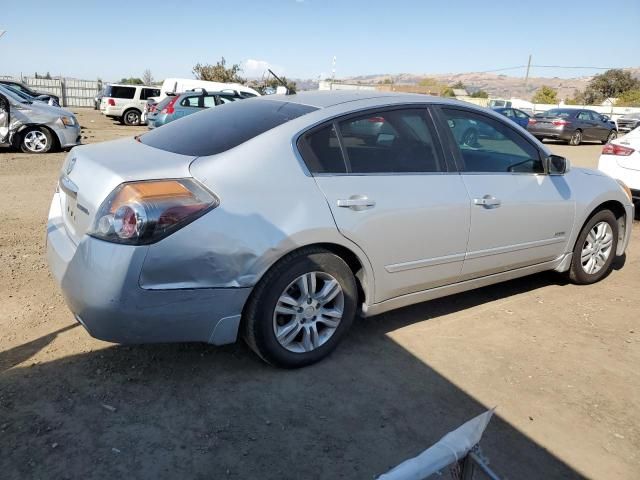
(282, 218)
(34, 126)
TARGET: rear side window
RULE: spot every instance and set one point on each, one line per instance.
(191, 102)
(219, 129)
(395, 141)
(149, 92)
(121, 92)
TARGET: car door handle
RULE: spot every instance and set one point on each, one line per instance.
(356, 202)
(488, 201)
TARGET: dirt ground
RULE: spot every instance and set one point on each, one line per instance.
(560, 362)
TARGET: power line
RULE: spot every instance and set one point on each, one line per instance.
(572, 66)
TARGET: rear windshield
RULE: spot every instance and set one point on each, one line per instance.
(116, 91)
(559, 113)
(219, 129)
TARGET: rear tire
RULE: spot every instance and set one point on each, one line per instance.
(612, 136)
(36, 140)
(595, 249)
(131, 117)
(288, 320)
(576, 138)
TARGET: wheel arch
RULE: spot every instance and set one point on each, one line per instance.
(357, 262)
(17, 137)
(617, 208)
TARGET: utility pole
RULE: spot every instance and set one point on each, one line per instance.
(333, 70)
(526, 77)
(2, 32)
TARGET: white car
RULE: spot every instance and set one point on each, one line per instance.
(126, 102)
(621, 159)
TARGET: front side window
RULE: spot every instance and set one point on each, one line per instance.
(520, 114)
(584, 116)
(489, 146)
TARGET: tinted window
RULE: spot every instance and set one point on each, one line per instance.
(149, 92)
(520, 114)
(216, 130)
(321, 151)
(487, 145)
(209, 101)
(556, 112)
(120, 92)
(507, 112)
(396, 141)
(584, 116)
(227, 98)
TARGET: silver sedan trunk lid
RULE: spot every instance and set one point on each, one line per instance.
(91, 172)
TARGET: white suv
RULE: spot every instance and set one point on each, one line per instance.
(126, 102)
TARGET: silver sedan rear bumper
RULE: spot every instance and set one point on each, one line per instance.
(99, 281)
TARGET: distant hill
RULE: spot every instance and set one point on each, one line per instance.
(496, 85)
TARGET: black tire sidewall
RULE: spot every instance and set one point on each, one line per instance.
(47, 133)
(262, 320)
(124, 118)
(577, 273)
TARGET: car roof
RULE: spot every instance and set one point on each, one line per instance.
(130, 85)
(330, 98)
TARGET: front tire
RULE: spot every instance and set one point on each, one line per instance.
(612, 136)
(595, 249)
(301, 309)
(36, 140)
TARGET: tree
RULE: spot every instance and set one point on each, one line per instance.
(630, 98)
(546, 95)
(273, 83)
(447, 92)
(459, 85)
(147, 77)
(219, 72)
(480, 94)
(610, 84)
(132, 81)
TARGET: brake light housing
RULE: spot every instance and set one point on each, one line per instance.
(615, 149)
(111, 102)
(561, 123)
(169, 109)
(140, 213)
(532, 121)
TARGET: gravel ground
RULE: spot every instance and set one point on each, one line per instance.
(560, 362)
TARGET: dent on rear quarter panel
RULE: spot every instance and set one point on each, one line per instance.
(268, 207)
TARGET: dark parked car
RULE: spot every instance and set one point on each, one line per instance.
(44, 96)
(518, 116)
(572, 125)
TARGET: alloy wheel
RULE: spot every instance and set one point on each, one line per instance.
(35, 141)
(133, 118)
(612, 135)
(597, 248)
(576, 138)
(308, 312)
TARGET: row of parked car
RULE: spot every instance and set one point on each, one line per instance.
(176, 98)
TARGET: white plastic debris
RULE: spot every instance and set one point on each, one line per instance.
(449, 449)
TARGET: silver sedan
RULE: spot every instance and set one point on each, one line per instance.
(281, 219)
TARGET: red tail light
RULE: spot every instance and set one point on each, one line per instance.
(613, 149)
(559, 123)
(169, 108)
(532, 121)
(111, 102)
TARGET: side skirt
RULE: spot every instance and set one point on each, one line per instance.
(559, 264)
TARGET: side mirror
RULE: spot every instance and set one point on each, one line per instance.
(556, 165)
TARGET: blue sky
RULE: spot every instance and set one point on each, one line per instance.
(111, 39)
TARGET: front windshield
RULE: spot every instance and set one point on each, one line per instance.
(22, 95)
(10, 93)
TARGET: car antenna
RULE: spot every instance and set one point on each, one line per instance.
(278, 79)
